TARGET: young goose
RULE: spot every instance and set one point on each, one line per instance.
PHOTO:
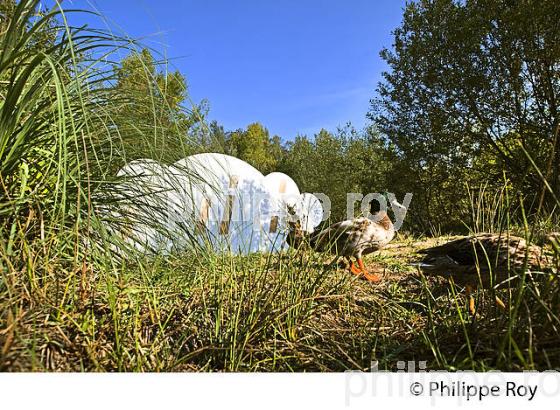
(353, 239)
(487, 259)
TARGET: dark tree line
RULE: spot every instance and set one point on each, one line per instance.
(471, 97)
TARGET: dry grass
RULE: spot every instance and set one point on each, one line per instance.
(266, 313)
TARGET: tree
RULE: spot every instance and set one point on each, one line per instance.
(255, 146)
(472, 90)
(151, 116)
(348, 161)
(214, 139)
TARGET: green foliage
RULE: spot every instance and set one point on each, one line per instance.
(42, 121)
(336, 164)
(255, 146)
(151, 117)
(472, 91)
(62, 138)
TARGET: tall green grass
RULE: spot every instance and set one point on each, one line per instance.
(526, 333)
(59, 152)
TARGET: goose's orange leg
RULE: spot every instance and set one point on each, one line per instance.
(500, 303)
(468, 291)
(355, 270)
(472, 308)
(372, 277)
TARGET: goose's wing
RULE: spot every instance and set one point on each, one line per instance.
(338, 236)
(460, 251)
(483, 251)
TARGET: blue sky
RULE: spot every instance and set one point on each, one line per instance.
(294, 66)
